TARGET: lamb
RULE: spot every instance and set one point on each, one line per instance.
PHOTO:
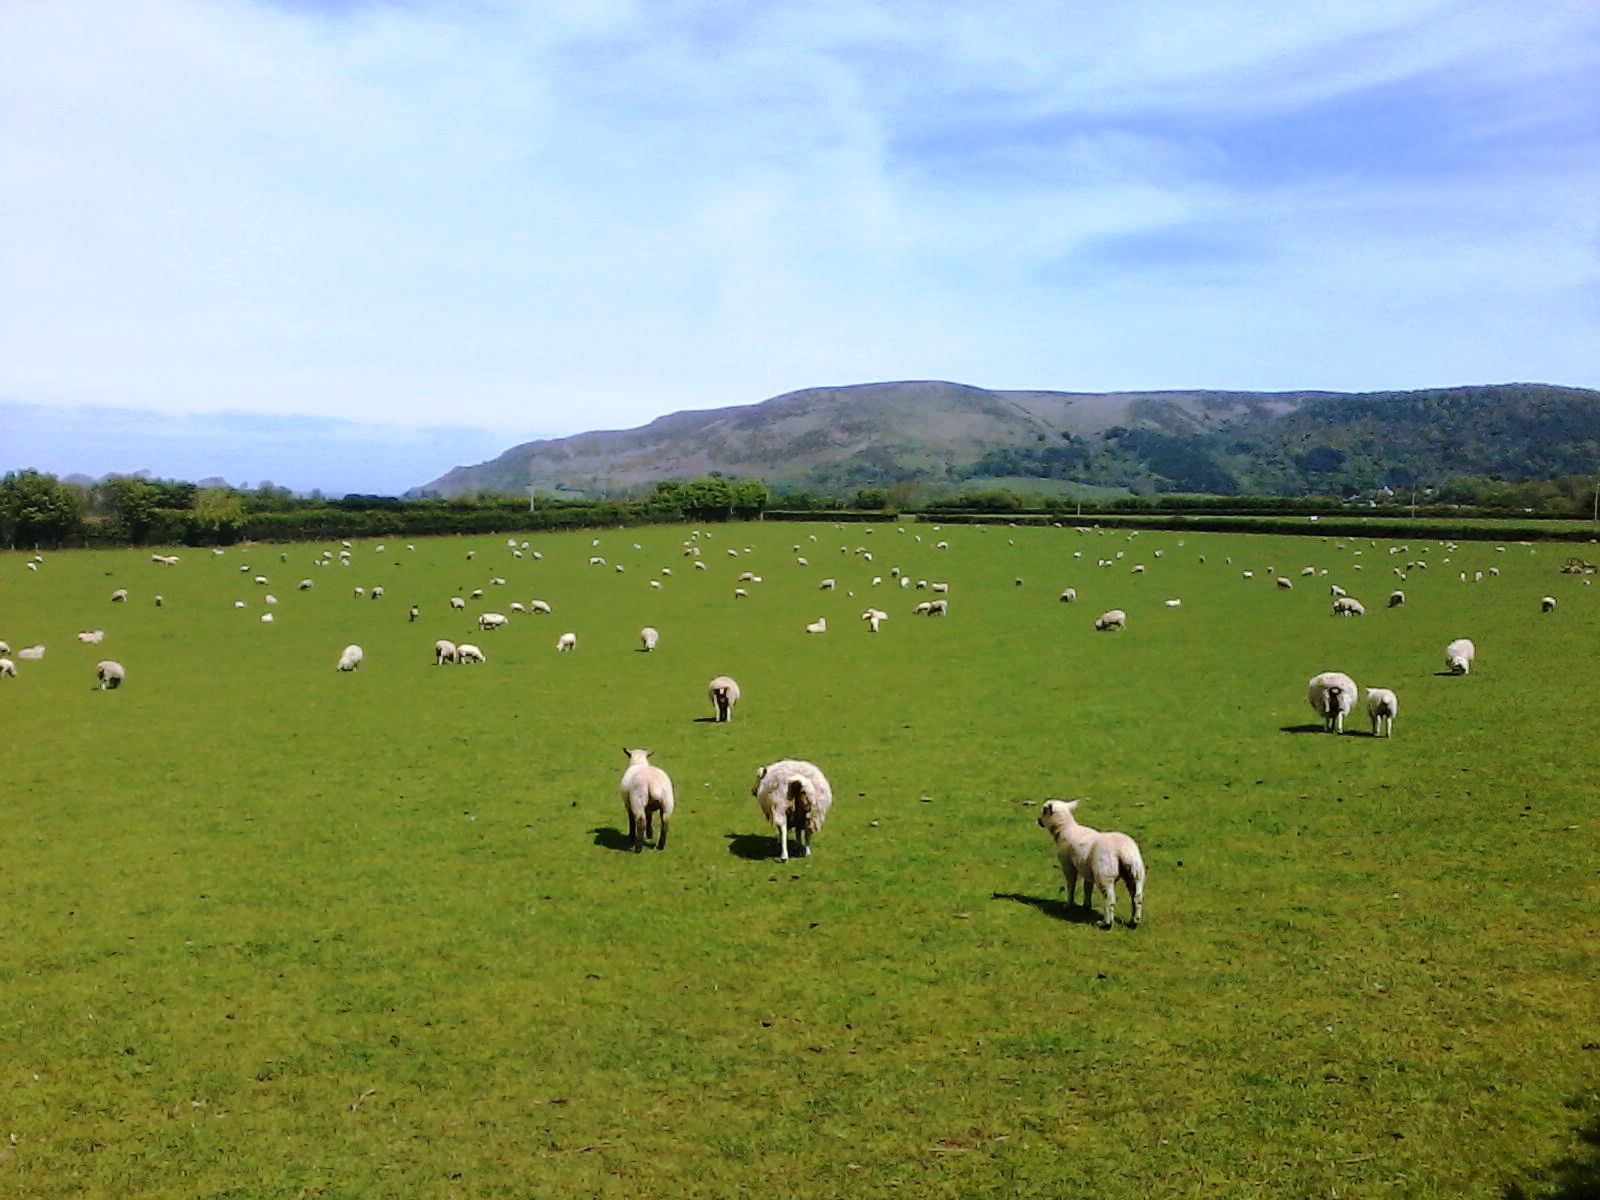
(110, 674)
(646, 792)
(724, 694)
(794, 795)
(1547, 604)
(820, 625)
(468, 653)
(1458, 656)
(1113, 618)
(567, 641)
(491, 620)
(1396, 598)
(7, 667)
(648, 637)
(1333, 694)
(350, 658)
(1349, 606)
(1382, 705)
(1099, 859)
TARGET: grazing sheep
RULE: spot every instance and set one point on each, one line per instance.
(1349, 606)
(359, 592)
(110, 674)
(724, 694)
(827, 585)
(350, 658)
(476, 593)
(261, 581)
(939, 608)
(1458, 656)
(820, 625)
(266, 618)
(1382, 706)
(1336, 591)
(747, 576)
(648, 637)
(5, 647)
(7, 667)
(444, 651)
(794, 795)
(1547, 604)
(740, 594)
(30, 652)
(1068, 596)
(92, 637)
(305, 585)
(468, 653)
(457, 602)
(119, 596)
(873, 616)
(1113, 618)
(538, 606)
(646, 793)
(944, 587)
(1396, 598)
(489, 620)
(567, 641)
(1333, 694)
(1285, 584)
(377, 592)
(1099, 859)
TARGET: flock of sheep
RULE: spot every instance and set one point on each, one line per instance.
(794, 795)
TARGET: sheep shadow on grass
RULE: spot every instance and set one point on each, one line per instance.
(1301, 729)
(608, 837)
(754, 847)
(1073, 914)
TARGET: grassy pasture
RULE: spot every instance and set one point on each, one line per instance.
(274, 931)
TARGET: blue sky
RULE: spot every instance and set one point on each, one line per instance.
(298, 240)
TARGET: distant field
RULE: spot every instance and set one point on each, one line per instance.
(275, 931)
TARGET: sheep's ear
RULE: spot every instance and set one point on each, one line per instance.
(626, 753)
(1072, 805)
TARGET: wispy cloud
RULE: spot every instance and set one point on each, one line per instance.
(558, 216)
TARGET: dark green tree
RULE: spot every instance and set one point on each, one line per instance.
(38, 510)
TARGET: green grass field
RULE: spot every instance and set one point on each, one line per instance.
(270, 930)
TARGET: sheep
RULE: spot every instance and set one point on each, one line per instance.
(1285, 584)
(648, 637)
(596, 561)
(820, 625)
(92, 637)
(1248, 574)
(794, 795)
(939, 608)
(1069, 595)
(740, 594)
(466, 652)
(1304, 571)
(444, 651)
(517, 607)
(7, 667)
(1174, 603)
(110, 674)
(1333, 694)
(266, 618)
(1336, 591)
(567, 641)
(1396, 598)
(724, 694)
(1547, 604)
(827, 585)
(476, 593)
(491, 620)
(1349, 606)
(923, 609)
(944, 588)
(538, 606)
(801, 562)
(1382, 706)
(119, 596)
(646, 793)
(377, 592)
(1099, 859)
(414, 613)
(359, 592)
(269, 598)
(261, 581)
(1458, 656)
(305, 585)
(747, 576)
(350, 658)
(1113, 618)
(28, 653)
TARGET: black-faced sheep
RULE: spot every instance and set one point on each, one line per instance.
(1333, 694)
(724, 694)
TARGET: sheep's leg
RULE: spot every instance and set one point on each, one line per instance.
(661, 843)
(635, 832)
(1109, 895)
(1136, 890)
(802, 839)
(783, 841)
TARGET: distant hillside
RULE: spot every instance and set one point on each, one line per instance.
(939, 434)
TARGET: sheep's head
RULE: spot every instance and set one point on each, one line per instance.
(761, 773)
(637, 756)
(1057, 813)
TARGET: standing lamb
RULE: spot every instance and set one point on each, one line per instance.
(1349, 606)
(648, 637)
(724, 694)
(646, 792)
(567, 641)
(1382, 707)
(1099, 859)
(1333, 694)
(7, 667)
(1458, 656)
(110, 674)
(468, 653)
(444, 651)
(492, 620)
(793, 794)
(350, 658)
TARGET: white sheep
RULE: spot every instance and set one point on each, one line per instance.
(1113, 618)
(740, 594)
(119, 596)
(724, 694)
(1547, 604)
(266, 618)
(492, 620)
(538, 606)
(350, 657)
(646, 794)
(1458, 656)
(827, 585)
(1099, 859)
(794, 795)
(1333, 694)
(1336, 591)
(377, 592)
(1396, 598)
(444, 651)
(31, 653)
(456, 602)
(5, 647)
(648, 637)
(1177, 602)
(466, 652)
(305, 585)
(92, 637)
(1069, 595)
(110, 674)
(567, 641)
(944, 588)
(1349, 606)
(1285, 584)
(1382, 707)
(939, 608)
(7, 667)
(820, 625)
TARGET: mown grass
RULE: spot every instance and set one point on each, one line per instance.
(274, 931)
